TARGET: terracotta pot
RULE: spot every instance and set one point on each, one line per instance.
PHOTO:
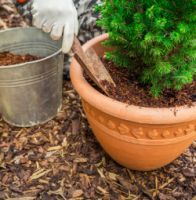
(137, 138)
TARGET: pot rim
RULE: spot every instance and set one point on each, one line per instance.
(144, 115)
(30, 62)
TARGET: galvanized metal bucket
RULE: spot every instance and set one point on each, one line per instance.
(30, 93)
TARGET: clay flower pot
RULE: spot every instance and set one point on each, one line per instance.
(136, 137)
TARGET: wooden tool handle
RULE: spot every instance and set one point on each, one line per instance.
(91, 64)
(79, 55)
(76, 46)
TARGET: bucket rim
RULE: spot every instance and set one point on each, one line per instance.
(30, 62)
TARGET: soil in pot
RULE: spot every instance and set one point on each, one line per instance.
(7, 58)
(130, 90)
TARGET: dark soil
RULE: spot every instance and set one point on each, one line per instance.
(7, 58)
(131, 91)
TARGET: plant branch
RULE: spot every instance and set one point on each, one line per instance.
(166, 10)
(112, 4)
(121, 38)
(174, 4)
(183, 6)
(172, 53)
(151, 22)
(141, 22)
(192, 66)
(125, 6)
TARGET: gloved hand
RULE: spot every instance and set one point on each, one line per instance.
(57, 17)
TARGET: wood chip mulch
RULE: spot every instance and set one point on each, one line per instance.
(61, 159)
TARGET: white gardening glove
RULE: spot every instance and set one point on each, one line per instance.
(57, 17)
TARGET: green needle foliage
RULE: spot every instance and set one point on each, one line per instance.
(159, 35)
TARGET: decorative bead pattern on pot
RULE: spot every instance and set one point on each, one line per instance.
(93, 113)
(101, 119)
(190, 129)
(137, 133)
(111, 125)
(165, 134)
(152, 134)
(178, 132)
(123, 129)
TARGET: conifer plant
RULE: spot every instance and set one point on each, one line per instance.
(159, 35)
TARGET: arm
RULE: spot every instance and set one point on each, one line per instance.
(55, 17)
(87, 17)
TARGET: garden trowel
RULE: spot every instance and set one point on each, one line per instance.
(91, 64)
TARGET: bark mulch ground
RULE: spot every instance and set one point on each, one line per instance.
(61, 159)
(7, 58)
